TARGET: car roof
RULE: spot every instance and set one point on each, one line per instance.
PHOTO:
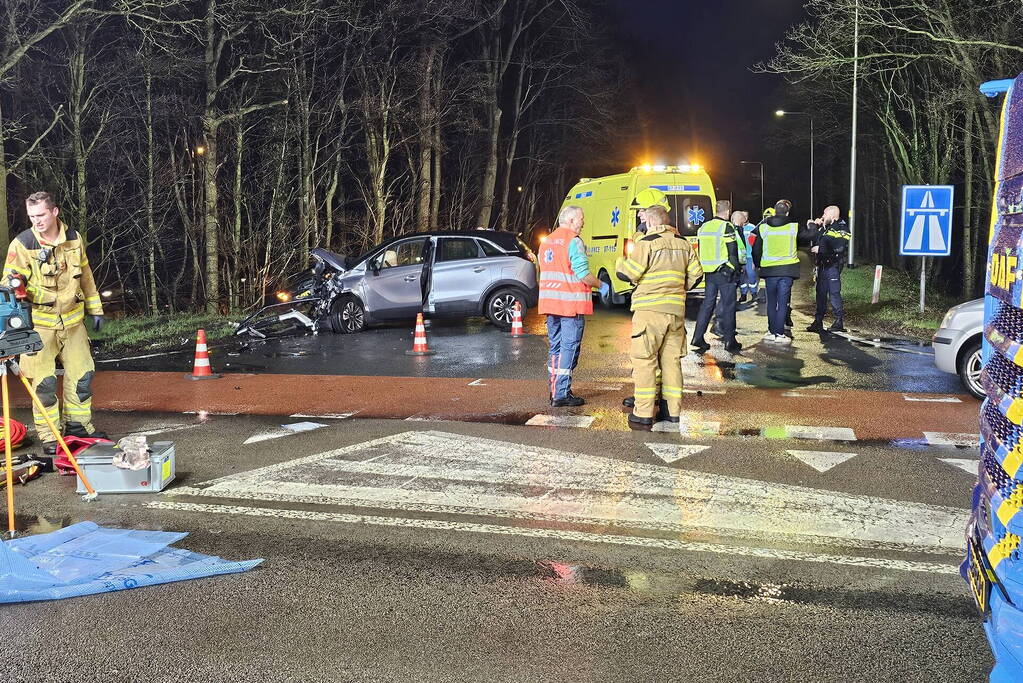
(503, 238)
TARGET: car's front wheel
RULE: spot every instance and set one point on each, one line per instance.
(347, 316)
(501, 307)
(969, 366)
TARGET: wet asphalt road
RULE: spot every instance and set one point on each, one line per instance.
(386, 562)
(474, 348)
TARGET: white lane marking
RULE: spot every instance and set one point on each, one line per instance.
(609, 387)
(327, 416)
(148, 355)
(563, 535)
(284, 430)
(578, 421)
(967, 465)
(924, 399)
(431, 469)
(477, 383)
(820, 433)
(796, 394)
(822, 461)
(671, 452)
(166, 428)
(695, 390)
(691, 428)
(966, 440)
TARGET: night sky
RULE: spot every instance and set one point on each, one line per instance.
(689, 62)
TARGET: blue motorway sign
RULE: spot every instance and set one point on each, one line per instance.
(926, 220)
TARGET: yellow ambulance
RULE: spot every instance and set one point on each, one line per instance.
(611, 213)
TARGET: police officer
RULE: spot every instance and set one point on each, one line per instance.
(722, 262)
(829, 242)
(50, 257)
(663, 267)
(566, 298)
(774, 253)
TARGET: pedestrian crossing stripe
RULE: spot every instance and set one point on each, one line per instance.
(576, 421)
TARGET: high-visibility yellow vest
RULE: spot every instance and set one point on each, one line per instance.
(713, 245)
(779, 244)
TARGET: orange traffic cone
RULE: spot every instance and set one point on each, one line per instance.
(419, 347)
(516, 328)
(201, 368)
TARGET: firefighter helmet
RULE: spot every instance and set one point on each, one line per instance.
(651, 197)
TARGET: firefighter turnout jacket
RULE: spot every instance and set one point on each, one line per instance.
(664, 267)
(57, 276)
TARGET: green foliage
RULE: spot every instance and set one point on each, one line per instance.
(159, 332)
(898, 310)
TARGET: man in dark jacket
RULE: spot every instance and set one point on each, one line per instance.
(774, 253)
(829, 242)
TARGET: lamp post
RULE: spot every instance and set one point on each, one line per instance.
(852, 144)
(761, 165)
(782, 112)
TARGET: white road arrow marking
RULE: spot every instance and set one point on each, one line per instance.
(438, 472)
(579, 421)
(822, 461)
(965, 464)
(671, 452)
(477, 383)
(285, 430)
(921, 399)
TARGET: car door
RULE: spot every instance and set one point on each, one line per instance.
(393, 287)
(461, 276)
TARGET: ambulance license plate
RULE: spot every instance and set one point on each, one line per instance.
(980, 579)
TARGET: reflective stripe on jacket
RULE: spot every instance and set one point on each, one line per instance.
(664, 267)
(561, 292)
(59, 280)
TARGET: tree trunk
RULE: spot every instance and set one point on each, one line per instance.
(489, 183)
(236, 247)
(435, 190)
(154, 304)
(76, 106)
(211, 224)
(969, 260)
(426, 117)
(5, 226)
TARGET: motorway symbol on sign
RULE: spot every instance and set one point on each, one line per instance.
(926, 220)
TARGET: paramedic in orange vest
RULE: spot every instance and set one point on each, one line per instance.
(565, 297)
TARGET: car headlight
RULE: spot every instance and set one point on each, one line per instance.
(946, 322)
(283, 297)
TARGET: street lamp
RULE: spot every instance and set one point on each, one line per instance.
(782, 112)
(761, 165)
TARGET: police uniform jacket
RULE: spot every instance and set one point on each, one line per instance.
(787, 270)
(58, 277)
(832, 242)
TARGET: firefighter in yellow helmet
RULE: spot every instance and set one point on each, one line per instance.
(663, 267)
(643, 200)
(50, 257)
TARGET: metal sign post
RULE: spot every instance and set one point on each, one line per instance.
(926, 225)
(923, 283)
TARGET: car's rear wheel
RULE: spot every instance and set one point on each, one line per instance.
(347, 316)
(501, 307)
(969, 367)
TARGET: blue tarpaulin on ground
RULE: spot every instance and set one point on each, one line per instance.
(85, 558)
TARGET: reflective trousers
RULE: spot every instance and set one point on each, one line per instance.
(718, 285)
(565, 334)
(779, 292)
(71, 346)
(658, 344)
(829, 286)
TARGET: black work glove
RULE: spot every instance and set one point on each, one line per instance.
(97, 322)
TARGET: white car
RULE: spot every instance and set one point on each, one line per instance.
(957, 344)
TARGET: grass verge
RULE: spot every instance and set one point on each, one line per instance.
(159, 332)
(898, 310)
